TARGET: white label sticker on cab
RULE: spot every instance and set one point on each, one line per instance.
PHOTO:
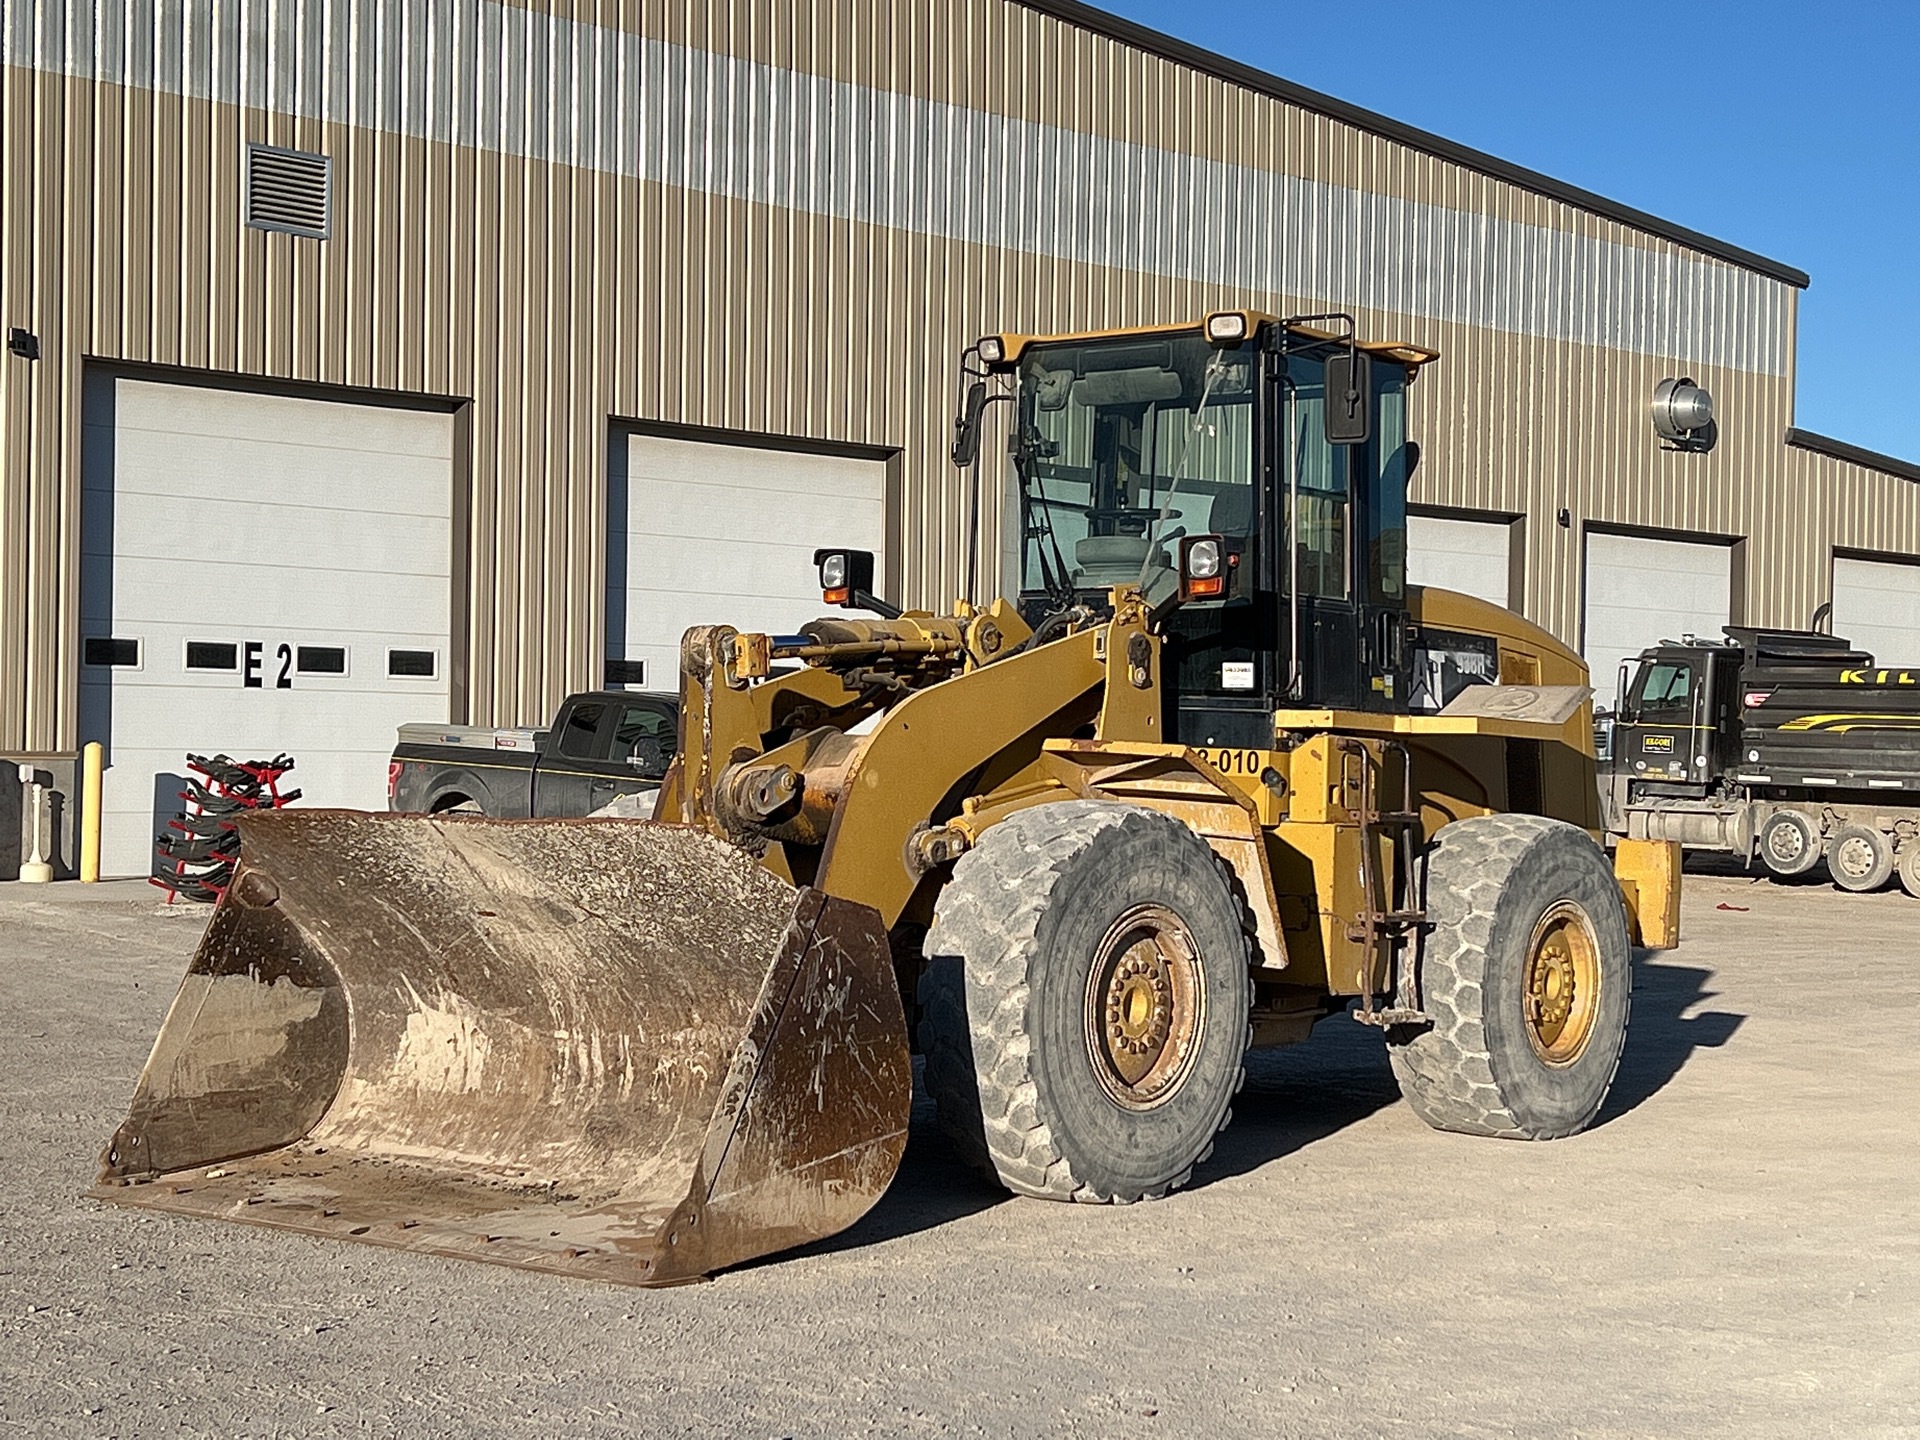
(1236, 675)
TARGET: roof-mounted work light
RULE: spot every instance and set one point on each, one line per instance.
(1226, 327)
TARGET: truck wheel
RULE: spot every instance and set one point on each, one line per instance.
(1085, 1002)
(1908, 868)
(1789, 844)
(1859, 858)
(1526, 969)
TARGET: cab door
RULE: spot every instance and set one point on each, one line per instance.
(1662, 739)
(644, 735)
(1383, 469)
(1349, 529)
(1316, 480)
(564, 774)
(606, 748)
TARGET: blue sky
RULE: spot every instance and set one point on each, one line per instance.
(1793, 130)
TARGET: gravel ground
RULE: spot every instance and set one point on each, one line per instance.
(1732, 1251)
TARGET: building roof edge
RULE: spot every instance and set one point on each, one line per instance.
(1236, 72)
(1853, 454)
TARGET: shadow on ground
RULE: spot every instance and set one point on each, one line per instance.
(1292, 1098)
(1298, 1096)
(1661, 1035)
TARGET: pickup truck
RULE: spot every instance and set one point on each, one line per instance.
(602, 744)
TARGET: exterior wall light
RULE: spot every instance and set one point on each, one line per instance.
(1683, 415)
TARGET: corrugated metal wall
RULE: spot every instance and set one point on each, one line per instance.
(1855, 509)
(789, 219)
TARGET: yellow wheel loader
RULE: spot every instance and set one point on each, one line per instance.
(1209, 772)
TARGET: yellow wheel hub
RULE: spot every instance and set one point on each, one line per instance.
(1139, 1003)
(1143, 1010)
(1562, 984)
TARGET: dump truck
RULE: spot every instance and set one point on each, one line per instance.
(1790, 747)
(1170, 794)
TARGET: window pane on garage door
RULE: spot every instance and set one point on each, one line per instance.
(1876, 605)
(1474, 557)
(702, 533)
(267, 553)
(1640, 591)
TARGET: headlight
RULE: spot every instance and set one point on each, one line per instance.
(992, 349)
(1203, 567)
(1226, 326)
(845, 576)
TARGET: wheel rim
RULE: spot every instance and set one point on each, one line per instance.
(1855, 857)
(1786, 843)
(1562, 997)
(1144, 1007)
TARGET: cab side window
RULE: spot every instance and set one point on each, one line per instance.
(1317, 472)
(1666, 691)
(576, 736)
(644, 739)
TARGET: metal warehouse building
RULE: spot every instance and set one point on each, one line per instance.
(384, 360)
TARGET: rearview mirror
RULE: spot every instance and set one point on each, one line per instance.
(1349, 410)
(966, 425)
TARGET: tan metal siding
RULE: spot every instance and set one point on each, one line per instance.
(789, 219)
(1860, 509)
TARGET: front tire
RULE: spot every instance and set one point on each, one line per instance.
(1526, 969)
(1085, 1002)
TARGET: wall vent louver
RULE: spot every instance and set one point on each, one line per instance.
(290, 191)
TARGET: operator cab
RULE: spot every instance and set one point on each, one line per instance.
(1675, 713)
(1205, 465)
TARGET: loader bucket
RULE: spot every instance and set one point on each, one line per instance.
(607, 1048)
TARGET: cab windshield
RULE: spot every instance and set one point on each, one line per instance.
(1122, 447)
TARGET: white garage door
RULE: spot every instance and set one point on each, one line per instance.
(701, 533)
(1641, 591)
(259, 574)
(1474, 557)
(1876, 605)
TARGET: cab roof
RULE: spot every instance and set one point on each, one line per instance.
(1406, 353)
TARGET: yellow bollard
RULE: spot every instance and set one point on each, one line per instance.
(92, 764)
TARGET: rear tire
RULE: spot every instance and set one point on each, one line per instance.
(1859, 858)
(1789, 844)
(1907, 866)
(1085, 1002)
(1526, 969)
